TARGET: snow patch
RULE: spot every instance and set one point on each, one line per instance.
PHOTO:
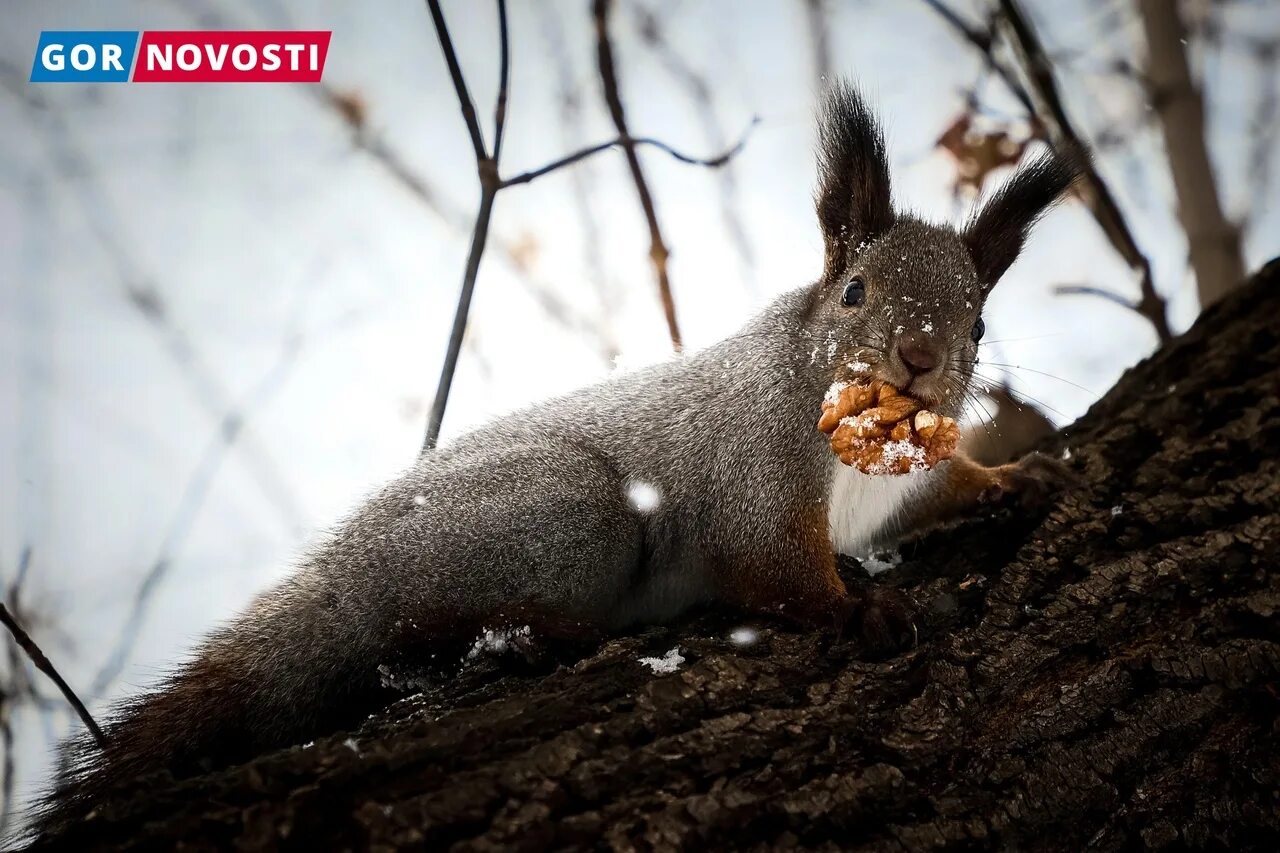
(878, 564)
(643, 497)
(834, 392)
(495, 641)
(665, 665)
(894, 452)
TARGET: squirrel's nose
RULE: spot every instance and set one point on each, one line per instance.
(918, 352)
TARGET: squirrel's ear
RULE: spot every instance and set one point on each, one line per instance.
(995, 232)
(853, 177)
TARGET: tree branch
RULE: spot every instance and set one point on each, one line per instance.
(490, 183)
(504, 77)
(1213, 243)
(1044, 104)
(984, 43)
(658, 252)
(43, 664)
(626, 141)
(459, 82)
(1051, 112)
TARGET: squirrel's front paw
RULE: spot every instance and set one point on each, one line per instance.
(881, 617)
(1032, 480)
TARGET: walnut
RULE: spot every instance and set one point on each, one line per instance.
(878, 430)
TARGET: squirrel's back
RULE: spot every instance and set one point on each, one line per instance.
(597, 508)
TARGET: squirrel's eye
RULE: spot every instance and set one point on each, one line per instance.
(979, 329)
(854, 292)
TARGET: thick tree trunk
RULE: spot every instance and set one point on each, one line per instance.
(1101, 674)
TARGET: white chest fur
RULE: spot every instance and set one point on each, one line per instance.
(859, 506)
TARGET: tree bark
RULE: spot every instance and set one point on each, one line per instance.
(1100, 673)
(1213, 242)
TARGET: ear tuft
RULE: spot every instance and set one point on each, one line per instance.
(996, 231)
(853, 177)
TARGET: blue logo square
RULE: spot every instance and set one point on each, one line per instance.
(97, 56)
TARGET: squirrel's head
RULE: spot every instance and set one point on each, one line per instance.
(901, 299)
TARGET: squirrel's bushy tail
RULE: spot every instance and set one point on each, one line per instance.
(288, 670)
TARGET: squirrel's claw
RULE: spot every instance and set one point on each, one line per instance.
(881, 617)
(1032, 480)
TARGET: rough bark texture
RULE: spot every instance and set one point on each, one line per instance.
(1101, 673)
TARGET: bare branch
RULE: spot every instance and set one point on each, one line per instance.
(489, 186)
(1051, 112)
(43, 664)
(1044, 104)
(1089, 290)
(658, 252)
(504, 78)
(459, 82)
(625, 142)
(1153, 312)
(983, 42)
(1213, 242)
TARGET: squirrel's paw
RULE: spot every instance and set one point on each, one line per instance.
(1031, 481)
(881, 617)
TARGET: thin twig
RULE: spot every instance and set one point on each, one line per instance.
(984, 43)
(627, 141)
(365, 139)
(490, 183)
(1100, 292)
(467, 106)
(504, 75)
(42, 663)
(658, 252)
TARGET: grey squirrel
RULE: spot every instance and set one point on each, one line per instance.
(697, 480)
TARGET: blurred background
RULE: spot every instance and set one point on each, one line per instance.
(224, 308)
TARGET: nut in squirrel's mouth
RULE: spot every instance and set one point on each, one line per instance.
(875, 428)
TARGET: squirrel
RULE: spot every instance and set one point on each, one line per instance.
(626, 503)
